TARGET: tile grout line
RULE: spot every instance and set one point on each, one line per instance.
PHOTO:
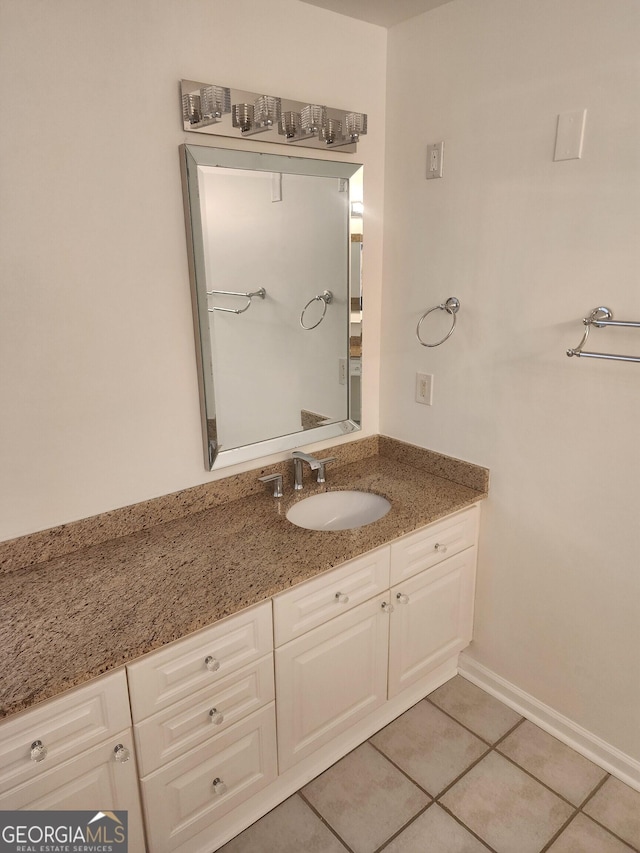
(559, 832)
(400, 770)
(436, 799)
(324, 821)
(464, 826)
(608, 829)
(386, 843)
(595, 790)
(536, 779)
(471, 731)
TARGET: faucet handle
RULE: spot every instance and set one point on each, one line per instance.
(321, 467)
(276, 479)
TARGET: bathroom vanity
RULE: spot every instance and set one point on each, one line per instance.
(246, 655)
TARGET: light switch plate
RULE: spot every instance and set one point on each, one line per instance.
(570, 135)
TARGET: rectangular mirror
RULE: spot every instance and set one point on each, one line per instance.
(275, 260)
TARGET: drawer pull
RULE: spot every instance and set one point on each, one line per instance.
(219, 786)
(342, 598)
(402, 598)
(440, 547)
(121, 754)
(212, 664)
(388, 608)
(38, 751)
(216, 716)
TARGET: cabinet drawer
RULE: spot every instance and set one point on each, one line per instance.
(189, 665)
(433, 544)
(65, 726)
(184, 725)
(312, 603)
(181, 800)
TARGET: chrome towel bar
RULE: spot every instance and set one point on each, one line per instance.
(248, 296)
(599, 318)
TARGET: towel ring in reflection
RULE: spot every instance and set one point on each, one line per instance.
(326, 297)
(452, 305)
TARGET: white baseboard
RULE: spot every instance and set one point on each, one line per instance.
(603, 754)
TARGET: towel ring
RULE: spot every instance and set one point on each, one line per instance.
(325, 297)
(452, 305)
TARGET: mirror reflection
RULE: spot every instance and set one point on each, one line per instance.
(275, 245)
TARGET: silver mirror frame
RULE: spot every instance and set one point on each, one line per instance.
(191, 157)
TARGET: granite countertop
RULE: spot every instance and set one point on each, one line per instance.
(67, 620)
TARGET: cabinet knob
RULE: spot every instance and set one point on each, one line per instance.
(388, 608)
(342, 598)
(216, 716)
(402, 598)
(212, 664)
(219, 786)
(38, 751)
(121, 753)
(440, 547)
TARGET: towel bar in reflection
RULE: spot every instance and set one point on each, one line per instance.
(326, 297)
(248, 296)
(600, 317)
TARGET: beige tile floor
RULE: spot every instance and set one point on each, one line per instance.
(457, 773)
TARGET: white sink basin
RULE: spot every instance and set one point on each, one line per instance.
(338, 510)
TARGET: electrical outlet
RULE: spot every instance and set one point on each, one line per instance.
(435, 154)
(342, 371)
(424, 388)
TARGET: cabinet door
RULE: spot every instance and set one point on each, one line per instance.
(432, 619)
(94, 780)
(65, 726)
(329, 679)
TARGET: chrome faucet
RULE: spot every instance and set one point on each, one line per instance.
(315, 464)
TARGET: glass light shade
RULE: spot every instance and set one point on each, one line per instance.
(332, 131)
(267, 110)
(214, 101)
(242, 116)
(356, 125)
(290, 124)
(313, 117)
(191, 108)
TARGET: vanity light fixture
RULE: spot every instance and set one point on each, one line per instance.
(223, 111)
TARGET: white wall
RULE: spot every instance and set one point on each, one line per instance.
(529, 246)
(97, 366)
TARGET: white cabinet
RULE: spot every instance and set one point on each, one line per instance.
(205, 731)
(355, 647)
(337, 670)
(74, 752)
(432, 619)
(329, 679)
